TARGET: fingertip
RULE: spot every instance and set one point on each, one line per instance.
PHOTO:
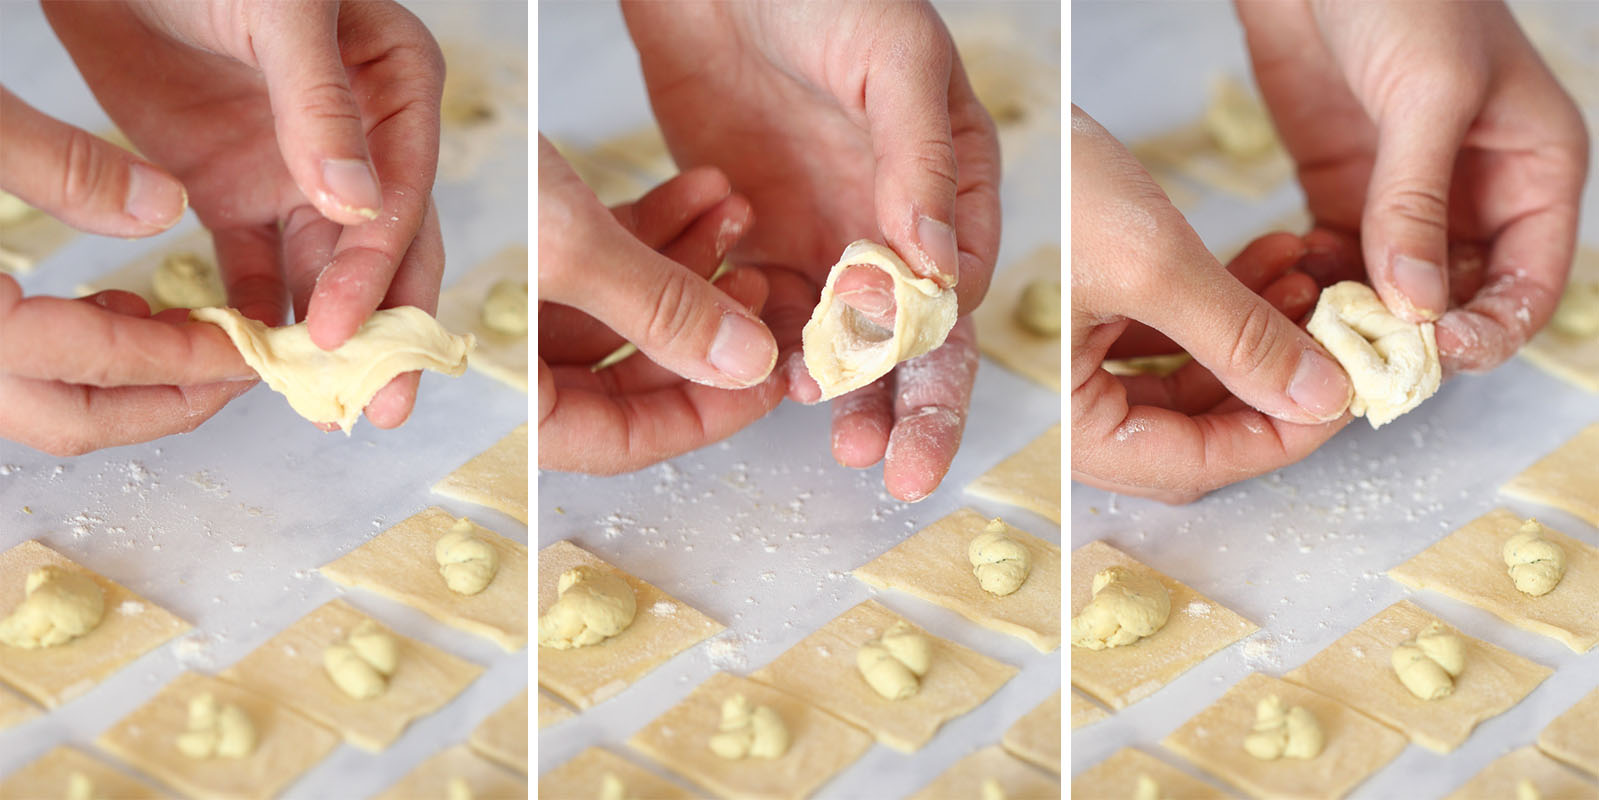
(154, 198)
(802, 388)
(392, 405)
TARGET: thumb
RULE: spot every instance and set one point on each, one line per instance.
(316, 118)
(83, 180)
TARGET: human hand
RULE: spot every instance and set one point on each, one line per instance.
(1432, 134)
(1260, 393)
(640, 273)
(306, 133)
(842, 121)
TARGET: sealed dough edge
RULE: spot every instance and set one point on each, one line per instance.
(334, 386)
(843, 351)
(1392, 364)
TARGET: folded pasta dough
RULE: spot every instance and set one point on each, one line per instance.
(335, 385)
(845, 351)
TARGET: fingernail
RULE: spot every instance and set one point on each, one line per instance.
(153, 198)
(742, 351)
(1319, 386)
(938, 246)
(353, 185)
(1422, 284)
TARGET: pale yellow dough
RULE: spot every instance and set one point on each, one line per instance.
(663, 628)
(552, 711)
(820, 744)
(1566, 354)
(1116, 778)
(1085, 711)
(14, 708)
(49, 776)
(1553, 781)
(28, 235)
(502, 736)
(1565, 479)
(430, 780)
(1002, 338)
(965, 778)
(288, 743)
(1355, 670)
(131, 627)
(500, 356)
(1356, 745)
(820, 669)
(138, 276)
(1570, 738)
(399, 564)
(1035, 738)
(582, 777)
(844, 351)
(932, 565)
(1195, 152)
(1392, 364)
(288, 669)
(495, 478)
(1120, 676)
(1029, 478)
(1466, 565)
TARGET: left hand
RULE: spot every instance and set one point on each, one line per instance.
(842, 121)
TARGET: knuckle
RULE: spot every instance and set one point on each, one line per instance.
(84, 170)
(1254, 344)
(327, 100)
(1423, 206)
(673, 309)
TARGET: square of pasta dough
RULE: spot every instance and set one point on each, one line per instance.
(1085, 711)
(137, 276)
(1468, 565)
(552, 711)
(583, 776)
(50, 775)
(431, 778)
(1570, 737)
(495, 478)
(1035, 738)
(820, 669)
(820, 744)
(399, 564)
(287, 744)
(965, 778)
(1028, 478)
(1566, 479)
(1117, 776)
(288, 668)
(663, 627)
(1120, 676)
(502, 736)
(1357, 670)
(14, 708)
(1002, 338)
(1573, 359)
(1550, 778)
(500, 356)
(932, 565)
(1356, 745)
(131, 627)
(33, 238)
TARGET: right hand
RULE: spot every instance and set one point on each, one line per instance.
(639, 273)
(1261, 394)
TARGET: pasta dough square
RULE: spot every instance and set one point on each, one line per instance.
(552, 711)
(399, 564)
(820, 744)
(1570, 737)
(1117, 776)
(583, 776)
(933, 566)
(1085, 711)
(1565, 479)
(1356, 670)
(287, 744)
(502, 736)
(965, 778)
(14, 708)
(1573, 359)
(821, 670)
(500, 356)
(30, 239)
(1035, 738)
(432, 778)
(131, 627)
(1029, 478)
(288, 668)
(663, 627)
(137, 276)
(495, 478)
(1356, 745)
(1468, 565)
(1498, 780)
(1002, 338)
(50, 775)
(1120, 676)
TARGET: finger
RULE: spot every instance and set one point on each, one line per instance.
(932, 395)
(868, 290)
(416, 283)
(117, 301)
(1526, 271)
(1332, 256)
(315, 116)
(791, 298)
(667, 210)
(66, 420)
(1294, 295)
(977, 211)
(1190, 389)
(247, 257)
(82, 180)
(862, 422)
(308, 242)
